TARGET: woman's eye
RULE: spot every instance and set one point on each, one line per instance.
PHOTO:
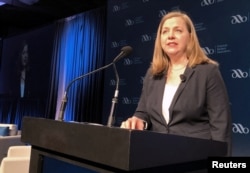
(179, 30)
(164, 32)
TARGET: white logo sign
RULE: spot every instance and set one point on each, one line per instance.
(239, 128)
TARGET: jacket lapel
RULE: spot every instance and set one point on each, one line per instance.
(187, 74)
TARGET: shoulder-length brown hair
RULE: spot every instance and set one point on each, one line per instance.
(195, 53)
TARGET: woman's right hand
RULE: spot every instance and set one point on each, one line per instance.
(133, 123)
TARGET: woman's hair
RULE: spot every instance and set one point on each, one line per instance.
(195, 53)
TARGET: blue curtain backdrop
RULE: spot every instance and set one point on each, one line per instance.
(58, 53)
(79, 49)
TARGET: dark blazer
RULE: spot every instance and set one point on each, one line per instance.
(200, 107)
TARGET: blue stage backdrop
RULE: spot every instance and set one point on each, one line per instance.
(223, 28)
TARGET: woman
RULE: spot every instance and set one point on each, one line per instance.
(183, 91)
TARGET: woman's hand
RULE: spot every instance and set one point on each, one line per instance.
(133, 123)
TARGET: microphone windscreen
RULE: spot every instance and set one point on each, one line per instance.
(127, 50)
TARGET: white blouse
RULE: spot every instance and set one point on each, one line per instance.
(169, 93)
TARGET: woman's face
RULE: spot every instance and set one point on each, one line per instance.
(175, 37)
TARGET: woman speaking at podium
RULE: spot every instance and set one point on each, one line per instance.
(183, 90)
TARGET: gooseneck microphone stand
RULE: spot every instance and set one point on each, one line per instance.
(114, 100)
(126, 50)
(65, 96)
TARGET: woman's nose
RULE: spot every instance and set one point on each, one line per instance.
(171, 35)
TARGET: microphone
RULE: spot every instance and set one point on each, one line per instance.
(114, 100)
(183, 78)
(125, 51)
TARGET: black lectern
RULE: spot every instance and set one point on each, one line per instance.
(112, 149)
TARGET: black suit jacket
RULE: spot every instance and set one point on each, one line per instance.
(200, 107)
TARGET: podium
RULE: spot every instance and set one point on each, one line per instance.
(99, 148)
